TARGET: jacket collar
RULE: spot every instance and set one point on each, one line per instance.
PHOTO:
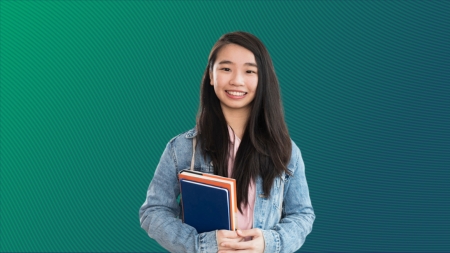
(191, 133)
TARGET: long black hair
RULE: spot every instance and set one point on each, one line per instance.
(265, 148)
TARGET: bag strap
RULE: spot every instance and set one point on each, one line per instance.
(282, 196)
(194, 144)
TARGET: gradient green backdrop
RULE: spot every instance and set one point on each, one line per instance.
(91, 91)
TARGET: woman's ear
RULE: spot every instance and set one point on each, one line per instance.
(211, 76)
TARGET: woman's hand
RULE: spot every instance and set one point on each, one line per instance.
(254, 245)
(227, 236)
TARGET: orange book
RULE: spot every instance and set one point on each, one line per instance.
(218, 181)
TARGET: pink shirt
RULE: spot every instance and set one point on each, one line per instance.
(245, 219)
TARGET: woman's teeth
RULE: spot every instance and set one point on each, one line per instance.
(236, 93)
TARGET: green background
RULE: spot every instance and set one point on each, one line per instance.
(91, 91)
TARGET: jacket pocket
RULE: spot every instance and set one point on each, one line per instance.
(207, 168)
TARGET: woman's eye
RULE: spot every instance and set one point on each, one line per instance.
(225, 69)
(250, 71)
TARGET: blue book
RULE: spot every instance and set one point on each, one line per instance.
(205, 207)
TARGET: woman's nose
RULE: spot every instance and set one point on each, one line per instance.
(237, 79)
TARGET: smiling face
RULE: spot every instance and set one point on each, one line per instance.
(235, 77)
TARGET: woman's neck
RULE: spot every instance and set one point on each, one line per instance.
(237, 120)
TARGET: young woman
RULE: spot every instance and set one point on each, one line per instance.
(240, 133)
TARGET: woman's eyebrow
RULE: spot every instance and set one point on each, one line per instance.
(230, 62)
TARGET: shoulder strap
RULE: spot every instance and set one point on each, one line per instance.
(194, 144)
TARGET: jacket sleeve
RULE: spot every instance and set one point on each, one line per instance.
(159, 215)
(298, 214)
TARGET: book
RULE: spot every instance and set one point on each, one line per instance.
(205, 207)
(208, 201)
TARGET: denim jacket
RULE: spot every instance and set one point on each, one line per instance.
(285, 217)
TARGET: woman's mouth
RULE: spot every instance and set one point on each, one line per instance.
(236, 93)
